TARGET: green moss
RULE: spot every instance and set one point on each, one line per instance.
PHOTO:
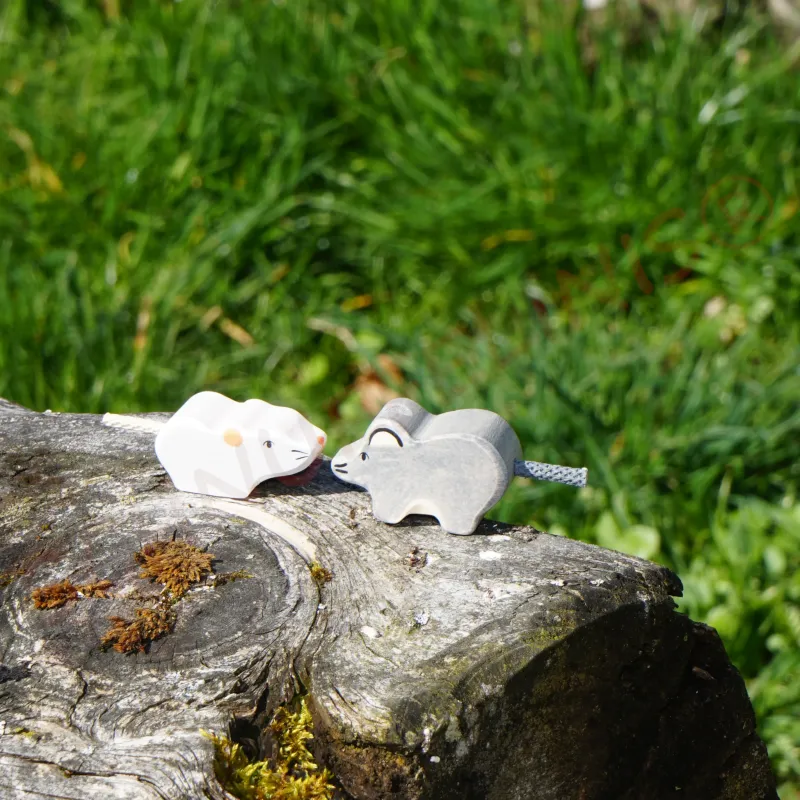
(294, 775)
(390, 774)
(552, 631)
(27, 733)
(10, 575)
(494, 669)
(320, 574)
(231, 577)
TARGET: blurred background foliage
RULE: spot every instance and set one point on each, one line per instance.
(590, 228)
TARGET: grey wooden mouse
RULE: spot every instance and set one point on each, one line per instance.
(453, 466)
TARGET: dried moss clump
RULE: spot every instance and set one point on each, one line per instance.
(175, 564)
(319, 573)
(294, 776)
(59, 594)
(133, 636)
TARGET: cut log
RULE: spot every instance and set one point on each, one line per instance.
(509, 665)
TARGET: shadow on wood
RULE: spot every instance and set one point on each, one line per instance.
(509, 665)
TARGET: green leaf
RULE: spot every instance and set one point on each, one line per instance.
(642, 541)
(315, 370)
(607, 531)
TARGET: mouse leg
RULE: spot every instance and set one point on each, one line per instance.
(459, 523)
(385, 512)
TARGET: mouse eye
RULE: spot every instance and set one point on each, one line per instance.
(364, 456)
(268, 443)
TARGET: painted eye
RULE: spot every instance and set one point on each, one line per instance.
(268, 443)
(364, 456)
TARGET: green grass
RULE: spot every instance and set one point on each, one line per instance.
(284, 200)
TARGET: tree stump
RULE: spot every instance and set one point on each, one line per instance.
(509, 665)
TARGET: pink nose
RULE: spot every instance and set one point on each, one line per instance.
(321, 439)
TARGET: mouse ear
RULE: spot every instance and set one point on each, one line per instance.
(383, 437)
(232, 437)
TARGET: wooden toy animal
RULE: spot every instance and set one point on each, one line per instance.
(213, 445)
(453, 466)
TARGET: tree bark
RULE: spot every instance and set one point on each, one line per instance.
(509, 665)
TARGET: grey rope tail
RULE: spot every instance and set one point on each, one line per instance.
(572, 476)
(133, 423)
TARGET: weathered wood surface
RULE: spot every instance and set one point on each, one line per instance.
(513, 665)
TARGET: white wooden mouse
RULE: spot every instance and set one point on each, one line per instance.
(216, 446)
(453, 466)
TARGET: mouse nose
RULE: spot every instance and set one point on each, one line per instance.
(321, 439)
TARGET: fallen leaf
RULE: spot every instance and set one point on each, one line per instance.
(236, 332)
(124, 246)
(41, 174)
(373, 392)
(354, 303)
(387, 364)
(21, 140)
(475, 75)
(714, 307)
(617, 447)
(281, 271)
(210, 317)
(143, 323)
(111, 9)
(789, 208)
(519, 236)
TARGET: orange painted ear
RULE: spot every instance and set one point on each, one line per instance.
(232, 437)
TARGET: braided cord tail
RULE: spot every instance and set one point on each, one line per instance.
(132, 423)
(572, 476)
